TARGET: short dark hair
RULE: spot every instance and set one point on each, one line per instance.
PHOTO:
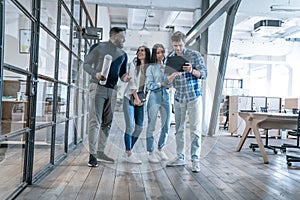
(178, 36)
(116, 30)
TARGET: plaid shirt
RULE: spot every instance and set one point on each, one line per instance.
(187, 86)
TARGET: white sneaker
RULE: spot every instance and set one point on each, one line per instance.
(195, 166)
(162, 155)
(152, 158)
(132, 159)
(176, 162)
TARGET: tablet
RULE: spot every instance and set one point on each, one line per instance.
(175, 63)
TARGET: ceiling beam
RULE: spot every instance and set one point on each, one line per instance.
(172, 5)
(212, 14)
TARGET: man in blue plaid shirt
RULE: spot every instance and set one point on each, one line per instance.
(187, 100)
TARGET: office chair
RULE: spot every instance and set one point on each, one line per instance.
(296, 133)
(274, 148)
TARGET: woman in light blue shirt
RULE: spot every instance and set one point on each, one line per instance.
(159, 100)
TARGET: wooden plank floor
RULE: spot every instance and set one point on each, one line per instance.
(225, 174)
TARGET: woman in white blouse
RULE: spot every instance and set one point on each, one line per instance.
(134, 114)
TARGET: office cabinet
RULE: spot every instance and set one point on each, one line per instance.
(291, 103)
(236, 103)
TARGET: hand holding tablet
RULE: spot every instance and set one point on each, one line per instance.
(175, 63)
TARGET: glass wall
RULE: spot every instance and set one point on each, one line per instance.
(43, 88)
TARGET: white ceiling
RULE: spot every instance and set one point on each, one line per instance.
(160, 15)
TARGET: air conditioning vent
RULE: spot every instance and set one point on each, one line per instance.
(267, 23)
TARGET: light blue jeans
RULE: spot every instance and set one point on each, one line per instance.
(101, 107)
(158, 101)
(193, 108)
(134, 120)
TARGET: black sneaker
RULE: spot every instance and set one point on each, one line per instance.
(102, 157)
(92, 161)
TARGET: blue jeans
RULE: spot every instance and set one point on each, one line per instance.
(193, 108)
(134, 120)
(158, 101)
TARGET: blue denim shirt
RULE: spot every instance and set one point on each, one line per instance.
(154, 77)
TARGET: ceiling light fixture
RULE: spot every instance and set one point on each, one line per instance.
(286, 8)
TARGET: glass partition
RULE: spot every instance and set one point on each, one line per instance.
(61, 101)
(44, 105)
(75, 43)
(72, 131)
(68, 4)
(63, 64)
(14, 102)
(59, 139)
(65, 27)
(49, 15)
(11, 164)
(42, 147)
(75, 64)
(17, 37)
(73, 103)
(46, 54)
(77, 8)
(27, 4)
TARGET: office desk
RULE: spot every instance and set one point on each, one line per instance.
(257, 120)
(10, 106)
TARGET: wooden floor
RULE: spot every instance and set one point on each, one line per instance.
(225, 174)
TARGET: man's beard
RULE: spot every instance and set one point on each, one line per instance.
(119, 44)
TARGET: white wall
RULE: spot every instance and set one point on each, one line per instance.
(103, 21)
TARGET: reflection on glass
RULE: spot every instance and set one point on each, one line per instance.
(63, 64)
(14, 23)
(75, 69)
(73, 103)
(44, 102)
(42, 142)
(61, 101)
(11, 165)
(65, 27)
(49, 14)
(72, 130)
(79, 128)
(77, 10)
(59, 139)
(46, 54)
(27, 4)
(76, 34)
(14, 102)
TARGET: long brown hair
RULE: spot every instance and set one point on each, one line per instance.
(154, 50)
(147, 57)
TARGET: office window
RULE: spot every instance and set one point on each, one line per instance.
(280, 81)
(258, 81)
